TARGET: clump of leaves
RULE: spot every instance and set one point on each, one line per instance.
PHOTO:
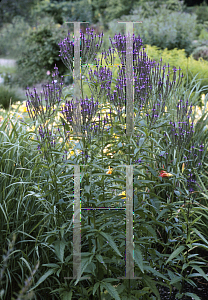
(202, 13)
(41, 53)
(7, 95)
(165, 29)
(200, 52)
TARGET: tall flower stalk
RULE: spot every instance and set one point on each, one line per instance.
(89, 47)
(44, 109)
(147, 80)
(52, 96)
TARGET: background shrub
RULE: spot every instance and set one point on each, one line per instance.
(201, 12)
(200, 52)
(189, 66)
(167, 29)
(12, 38)
(148, 9)
(203, 34)
(6, 94)
(41, 53)
(65, 11)
(10, 9)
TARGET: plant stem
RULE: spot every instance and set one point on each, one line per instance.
(103, 175)
(54, 183)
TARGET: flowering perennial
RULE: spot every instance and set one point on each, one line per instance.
(52, 95)
(146, 77)
(88, 48)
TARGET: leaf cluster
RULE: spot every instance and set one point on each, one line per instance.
(40, 54)
(164, 29)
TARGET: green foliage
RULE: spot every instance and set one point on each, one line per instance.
(203, 34)
(175, 5)
(6, 94)
(41, 53)
(165, 30)
(190, 67)
(200, 52)
(116, 9)
(23, 293)
(89, 11)
(66, 11)
(202, 12)
(10, 9)
(12, 37)
(149, 9)
(200, 43)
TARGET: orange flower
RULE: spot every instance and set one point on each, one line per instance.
(165, 174)
(110, 170)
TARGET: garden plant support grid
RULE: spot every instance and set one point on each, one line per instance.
(129, 169)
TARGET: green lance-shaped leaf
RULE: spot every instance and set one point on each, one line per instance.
(109, 239)
(84, 264)
(200, 235)
(201, 272)
(156, 273)
(43, 278)
(151, 284)
(111, 290)
(100, 259)
(96, 286)
(175, 253)
(139, 259)
(66, 295)
(59, 248)
(193, 296)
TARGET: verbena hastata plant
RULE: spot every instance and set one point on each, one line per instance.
(167, 225)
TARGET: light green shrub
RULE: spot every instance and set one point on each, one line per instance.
(189, 66)
(200, 52)
(41, 53)
(12, 37)
(204, 34)
(167, 29)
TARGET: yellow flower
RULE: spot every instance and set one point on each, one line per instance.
(110, 170)
(71, 153)
(23, 107)
(123, 194)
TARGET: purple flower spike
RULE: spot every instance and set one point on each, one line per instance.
(51, 93)
(88, 47)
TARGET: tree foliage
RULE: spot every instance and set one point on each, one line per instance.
(12, 8)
